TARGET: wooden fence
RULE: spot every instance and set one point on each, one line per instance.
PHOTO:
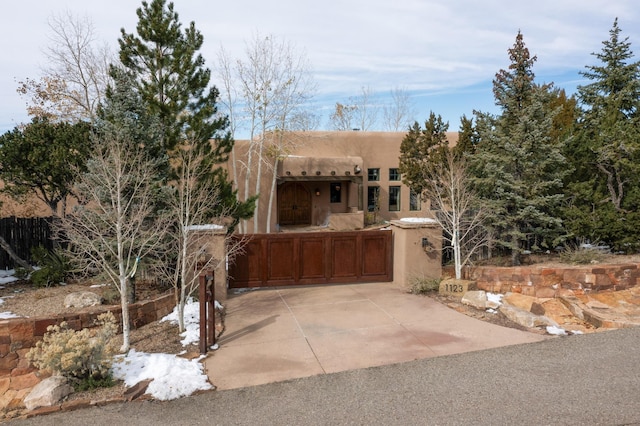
(23, 234)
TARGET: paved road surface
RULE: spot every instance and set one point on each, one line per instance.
(578, 380)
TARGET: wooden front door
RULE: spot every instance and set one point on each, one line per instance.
(294, 204)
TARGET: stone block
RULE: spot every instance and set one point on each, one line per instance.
(574, 275)
(537, 308)
(519, 300)
(21, 330)
(9, 361)
(545, 292)
(26, 381)
(477, 299)
(525, 318)
(603, 280)
(6, 398)
(18, 399)
(73, 323)
(22, 371)
(82, 299)
(4, 384)
(453, 287)
(47, 393)
(564, 292)
(40, 325)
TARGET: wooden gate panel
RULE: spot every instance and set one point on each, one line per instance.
(344, 258)
(247, 266)
(374, 252)
(281, 259)
(313, 258)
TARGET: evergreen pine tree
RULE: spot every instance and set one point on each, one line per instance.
(467, 138)
(421, 149)
(171, 78)
(605, 150)
(517, 168)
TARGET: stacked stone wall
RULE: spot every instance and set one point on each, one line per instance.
(19, 335)
(547, 282)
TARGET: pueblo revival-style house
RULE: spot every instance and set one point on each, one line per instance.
(343, 180)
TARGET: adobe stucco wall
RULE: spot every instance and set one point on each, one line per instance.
(19, 335)
(410, 259)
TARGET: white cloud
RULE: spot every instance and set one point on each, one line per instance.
(432, 45)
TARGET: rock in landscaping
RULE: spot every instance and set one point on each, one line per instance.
(525, 318)
(48, 392)
(477, 299)
(453, 287)
(82, 300)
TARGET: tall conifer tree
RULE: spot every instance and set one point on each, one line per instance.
(422, 150)
(605, 151)
(517, 169)
(172, 80)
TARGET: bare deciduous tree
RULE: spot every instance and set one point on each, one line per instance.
(75, 80)
(399, 112)
(117, 224)
(192, 208)
(358, 113)
(343, 118)
(456, 209)
(275, 85)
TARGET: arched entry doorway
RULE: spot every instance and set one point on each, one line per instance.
(294, 204)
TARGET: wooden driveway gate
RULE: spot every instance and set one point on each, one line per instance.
(313, 258)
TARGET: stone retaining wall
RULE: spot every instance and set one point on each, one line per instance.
(19, 335)
(547, 282)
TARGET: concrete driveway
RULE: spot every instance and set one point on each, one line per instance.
(274, 335)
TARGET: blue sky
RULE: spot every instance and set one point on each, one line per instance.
(445, 52)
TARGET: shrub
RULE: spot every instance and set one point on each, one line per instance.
(422, 285)
(111, 295)
(84, 357)
(583, 254)
(53, 267)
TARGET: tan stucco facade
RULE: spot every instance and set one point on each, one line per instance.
(319, 164)
(417, 251)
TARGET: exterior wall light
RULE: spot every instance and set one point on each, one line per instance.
(317, 192)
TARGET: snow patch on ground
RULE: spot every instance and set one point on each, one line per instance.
(173, 376)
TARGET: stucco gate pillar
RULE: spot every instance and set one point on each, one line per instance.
(209, 242)
(417, 249)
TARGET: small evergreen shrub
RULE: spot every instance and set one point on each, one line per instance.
(53, 266)
(84, 357)
(422, 285)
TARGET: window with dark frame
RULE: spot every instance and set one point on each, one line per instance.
(373, 175)
(335, 191)
(394, 174)
(394, 198)
(373, 195)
